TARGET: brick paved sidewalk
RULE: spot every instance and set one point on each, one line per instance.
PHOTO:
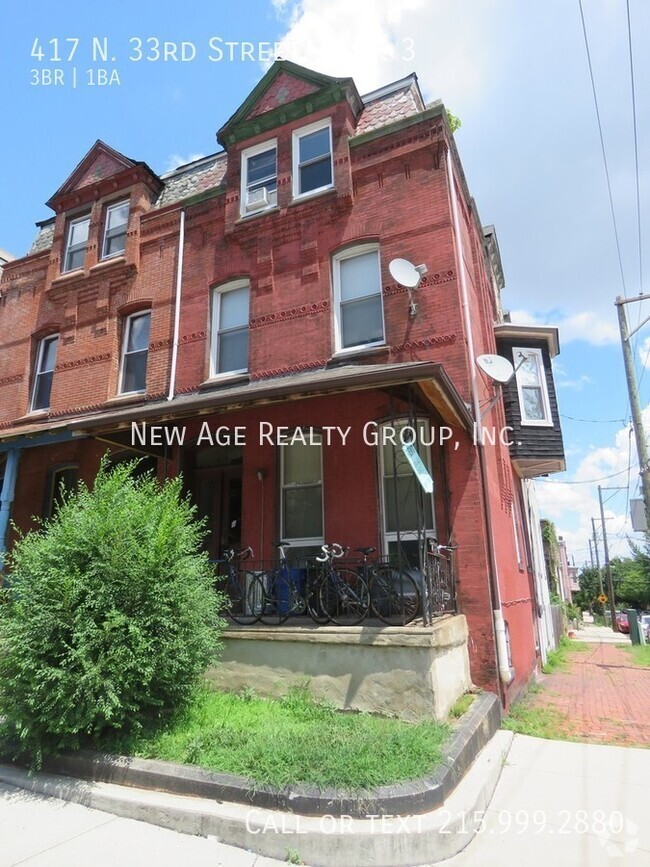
(602, 696)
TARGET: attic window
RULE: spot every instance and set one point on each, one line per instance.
(312, 158)
(117, 217)
(259, 186)
(76, 243)
(531, 387)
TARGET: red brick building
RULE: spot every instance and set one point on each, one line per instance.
(250, 291)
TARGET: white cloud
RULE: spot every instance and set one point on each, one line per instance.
(378, 41)
(176, 160)
(587, 325)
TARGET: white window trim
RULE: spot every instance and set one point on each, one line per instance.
(410, 535)
(110, 208)
(295, 541)
(547, 421)
(125, 342)
(337, 258)
(217, 292)
(295, 154)
(37, 371)
(243, 191)
(81, 219)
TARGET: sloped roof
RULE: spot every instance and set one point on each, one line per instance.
(390, 103)
(191, 179)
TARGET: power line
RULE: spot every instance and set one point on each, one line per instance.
(597, 420)
(602, 147)
(585, 482)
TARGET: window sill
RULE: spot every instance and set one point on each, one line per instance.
(107, 263)
(244, 218)
(226, 379)
(306, 197)
(34, 415)
(547, 424)
(131, 397)
(357, 352)
(76, 274)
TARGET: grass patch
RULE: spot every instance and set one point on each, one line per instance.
(462, 705)
(640, 654)
(558, 658)
(538, 722)
(293, 739)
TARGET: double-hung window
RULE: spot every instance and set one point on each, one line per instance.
(531, 387)
(259, 178)
(358, 308)
(406, 508)
(135, 350)
(312, 158)
(302, 491)
(44, 371)
(61, 481)
(117, 217)
(229, 351)
(76, 243)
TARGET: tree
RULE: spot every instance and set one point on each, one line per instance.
(587, 596)
(111, 614)
(551, 556)
(631, 579)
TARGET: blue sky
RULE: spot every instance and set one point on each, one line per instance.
(515, 73)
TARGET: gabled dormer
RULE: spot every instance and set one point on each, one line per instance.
(97, 212)
(288, 142)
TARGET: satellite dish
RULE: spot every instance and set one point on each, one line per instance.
(404, 273)
(497, 367)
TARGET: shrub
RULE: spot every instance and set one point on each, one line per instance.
(111, 614)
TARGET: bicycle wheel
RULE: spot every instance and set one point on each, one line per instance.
(343, 595)
(244, 592)
(276, 597)
(312, 595)
(394, 596)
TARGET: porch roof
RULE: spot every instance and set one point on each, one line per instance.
(430, 377)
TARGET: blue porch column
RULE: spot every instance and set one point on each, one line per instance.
(7, 497)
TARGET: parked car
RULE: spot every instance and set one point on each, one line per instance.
(622, 622)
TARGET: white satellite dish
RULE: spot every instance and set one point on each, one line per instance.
(497, 367)
(405, 273)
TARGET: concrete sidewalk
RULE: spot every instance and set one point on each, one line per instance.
(600, 635)
(560, 803)
(37, 831)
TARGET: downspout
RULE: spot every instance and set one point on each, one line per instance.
(7, 497)
(177, 306)
(505, 674)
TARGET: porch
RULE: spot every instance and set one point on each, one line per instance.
(412, 672)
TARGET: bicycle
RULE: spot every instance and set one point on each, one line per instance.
(243, 589)
(343, 593)
(282, 596)
(394, 594)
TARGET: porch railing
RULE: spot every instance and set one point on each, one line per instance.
(271, 593)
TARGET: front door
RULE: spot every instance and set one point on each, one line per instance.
(218, 495)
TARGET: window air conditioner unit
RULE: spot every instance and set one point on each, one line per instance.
(257, 199)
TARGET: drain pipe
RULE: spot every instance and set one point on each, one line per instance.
(177, 306)
(7, 491)
(505, 673)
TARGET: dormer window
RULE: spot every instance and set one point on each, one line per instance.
(76, 243)
(117, 218)
(259, 186)
(312, 158)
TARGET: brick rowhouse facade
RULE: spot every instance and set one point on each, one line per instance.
(389, 193)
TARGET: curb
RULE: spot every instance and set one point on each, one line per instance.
(324, 841)
(474, 730)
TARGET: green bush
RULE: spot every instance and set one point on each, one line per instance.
(111, 615)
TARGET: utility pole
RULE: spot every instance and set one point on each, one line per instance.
(635, 406)
(600, 574)
(608, 571)
(591, 553)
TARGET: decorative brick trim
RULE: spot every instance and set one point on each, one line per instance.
(443, 339)
(292, 368)
(157, 345)
(428, 280)
(526, 600)
(81, 362)
(192, 338)
(9, 380)
(291, 313)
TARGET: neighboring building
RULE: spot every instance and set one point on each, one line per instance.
(252, 287)
(4, 258)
